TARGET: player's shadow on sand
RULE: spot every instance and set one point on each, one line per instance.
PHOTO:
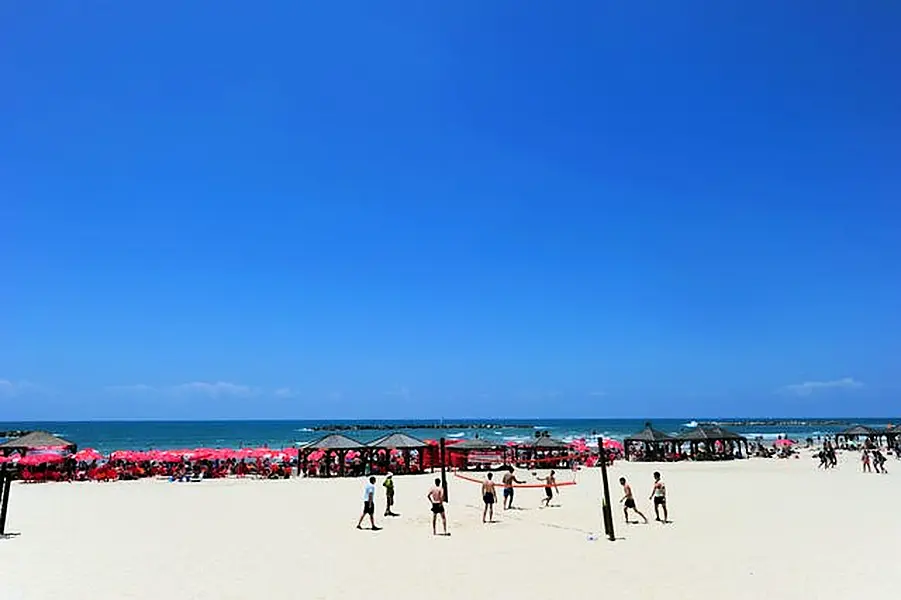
(10, 535)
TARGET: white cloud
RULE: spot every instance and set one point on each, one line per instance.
(399, 392)
(213, 389)
(14, 388)
(810, 387)
(137, 388)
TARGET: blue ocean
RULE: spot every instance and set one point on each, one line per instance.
(144, 435)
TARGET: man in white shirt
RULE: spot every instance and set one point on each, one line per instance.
(368, 505)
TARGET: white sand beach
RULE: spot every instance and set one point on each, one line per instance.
(743, 529)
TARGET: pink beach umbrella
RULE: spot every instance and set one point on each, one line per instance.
(784, 443)
(33, 460)
(611, 444)
(87, 455)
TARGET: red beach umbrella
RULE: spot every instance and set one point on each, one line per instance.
(33, 460)
(87, 455)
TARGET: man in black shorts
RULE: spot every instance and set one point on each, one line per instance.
(628, 501)
(489, 497)
(436, 497)
(659, 496)
(368, 505)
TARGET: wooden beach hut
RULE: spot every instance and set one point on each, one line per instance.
(655, 444)
(334, 447)
(476, 452)
(706, 437)
(380, 449)
(36, 440)
(855, 432)
(544, 452)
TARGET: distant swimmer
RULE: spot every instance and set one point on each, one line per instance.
(550, 486)
(509, 480)
(659, 496)
(489, 497)
(628, 501)
(436, 497)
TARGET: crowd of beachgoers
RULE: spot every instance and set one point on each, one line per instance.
(60, 463)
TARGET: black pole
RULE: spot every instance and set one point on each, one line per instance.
(443, 470)
(6, 479)
(606, 508)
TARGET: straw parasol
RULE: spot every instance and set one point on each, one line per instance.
(475, 444)
(36, 440)
(397, 441)
(335, 441)
(649, 435)
(546, 443)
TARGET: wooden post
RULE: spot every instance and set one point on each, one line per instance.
(606, 508)
(443, 469)
(6, 479)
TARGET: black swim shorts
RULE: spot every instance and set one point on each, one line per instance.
(437, 508)
(488, 498)
(659, 500)
(630, 503)
(368, 508)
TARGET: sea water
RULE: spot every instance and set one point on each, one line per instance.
(142, 435)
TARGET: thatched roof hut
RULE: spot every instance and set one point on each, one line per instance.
(858, 430)
(474, 444)
(335, 441)
(649, 435)
(397, 441)
(36, 440)
(709, 432)
(546, 443)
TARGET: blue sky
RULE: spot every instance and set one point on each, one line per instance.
(358, 210)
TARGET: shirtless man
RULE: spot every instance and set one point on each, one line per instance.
(628, 501)
(659, 496)
(436, 497)
(509, 480)
(550, 486)
(489, 497)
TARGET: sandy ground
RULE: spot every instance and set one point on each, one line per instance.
(740, 530)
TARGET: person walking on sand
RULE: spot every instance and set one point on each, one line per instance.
(389, 495)
(628, 502)
(509, 480)
(550, 486)
(659, 496)
(436, 497)
(368, 505)
(865, 459)
(489, 497)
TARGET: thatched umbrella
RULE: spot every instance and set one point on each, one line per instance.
(36, 440)
(709, 434)
(856, 431)
(543, 444)
(651, 439)
(397, 441)
(338, 443)
(475, 446)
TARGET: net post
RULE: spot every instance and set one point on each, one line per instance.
(606, 508)
(6, 479)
